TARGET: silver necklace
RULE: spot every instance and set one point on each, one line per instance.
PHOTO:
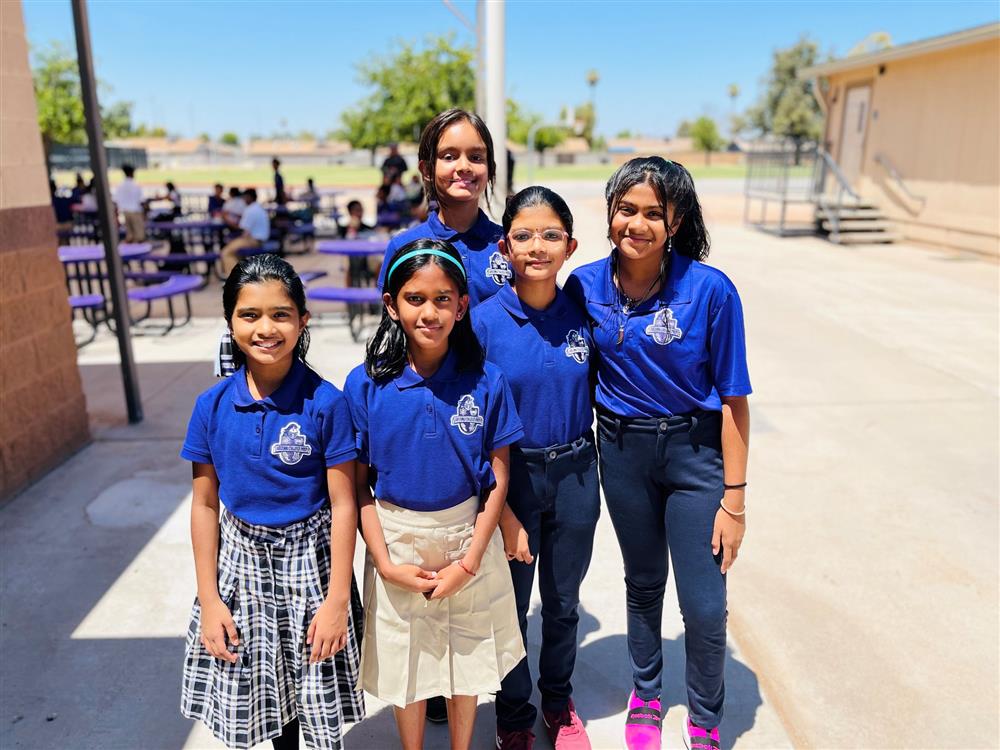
(631, 303)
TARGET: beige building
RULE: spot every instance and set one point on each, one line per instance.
(916, 129)
(43, 417)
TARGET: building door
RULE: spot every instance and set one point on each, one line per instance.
(852, 135)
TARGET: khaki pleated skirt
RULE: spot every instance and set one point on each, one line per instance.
(464, 644)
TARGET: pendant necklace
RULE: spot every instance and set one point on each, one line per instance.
(631, 303)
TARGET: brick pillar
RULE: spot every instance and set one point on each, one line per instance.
(43, 415)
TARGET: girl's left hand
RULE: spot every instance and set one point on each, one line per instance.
(451, 579)
(728, 535)
(328, 631)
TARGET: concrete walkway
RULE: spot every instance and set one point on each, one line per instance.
(863, 607)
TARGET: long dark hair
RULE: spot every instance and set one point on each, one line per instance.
(427, 151)
(536, 195)
(386, 353)
(257, 270)
(673, 186)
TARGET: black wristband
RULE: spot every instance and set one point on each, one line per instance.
(734, 486)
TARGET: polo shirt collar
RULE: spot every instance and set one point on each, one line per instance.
(676, 289)
(282, 399)
(512, 303)
(447, 371)
(481, 229)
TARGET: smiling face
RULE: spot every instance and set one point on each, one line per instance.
(639, 224)
(427, 307)
(460, 170)
(266, 324)
(537, 244)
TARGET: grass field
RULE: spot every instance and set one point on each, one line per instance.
(341, 176)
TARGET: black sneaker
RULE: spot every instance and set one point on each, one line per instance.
(437, 710)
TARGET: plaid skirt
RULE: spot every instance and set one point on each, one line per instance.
(273, 580)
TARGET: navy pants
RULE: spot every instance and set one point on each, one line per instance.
(662, 481)
(554, 493)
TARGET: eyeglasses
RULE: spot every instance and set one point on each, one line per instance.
(550, 237)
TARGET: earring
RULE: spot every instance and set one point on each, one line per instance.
(670, 244)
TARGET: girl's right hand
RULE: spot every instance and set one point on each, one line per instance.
(216, 625)
(411, 578)
(515, 539)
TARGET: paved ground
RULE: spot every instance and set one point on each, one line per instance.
(863, 609)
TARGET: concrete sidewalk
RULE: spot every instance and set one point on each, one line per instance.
(863, 607)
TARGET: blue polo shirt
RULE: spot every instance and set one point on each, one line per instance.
(430, 439)
(546, 357)
(488, 270)
(271, 455)
(682, 350)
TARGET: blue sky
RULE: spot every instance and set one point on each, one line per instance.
(257, 67)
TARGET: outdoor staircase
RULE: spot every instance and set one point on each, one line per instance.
(853, 221)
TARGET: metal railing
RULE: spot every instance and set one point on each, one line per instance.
(883, 161)
(826, 167)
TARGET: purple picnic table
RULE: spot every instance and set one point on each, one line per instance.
(95, 253)
(182, 225)
(353, 248)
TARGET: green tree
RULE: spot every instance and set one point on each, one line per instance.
(625, 134)
(684, 129)
(705, 135)
(520, 124)
(788, 107)
(409, 87)
(229, 138)
(585, 117)
(874, 42)
(58, 96)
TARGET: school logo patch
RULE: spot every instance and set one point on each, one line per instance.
(664, 327)
(466, 417)
(291, 445)
(576, 347)
(499, 269)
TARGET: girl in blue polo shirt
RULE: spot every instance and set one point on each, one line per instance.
(433, 424)
(272, 640)
(673, 426)
(458, 168)
(540, 339)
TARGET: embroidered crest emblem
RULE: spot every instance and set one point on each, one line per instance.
(499, 269)
(664, 327)
(576, 346)
(466, 417)
(291, 445)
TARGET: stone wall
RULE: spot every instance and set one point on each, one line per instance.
(43, 415)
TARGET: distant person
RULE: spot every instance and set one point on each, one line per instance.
(79, 188)
(232, 209)
(62, 207)
(394, 163)
(216, 201)
(173, 196)
(415, 190)
(510, 173)
(88, 201)
(256, 228)
(355, 221)
(128, 199)
(279, 184)
(397, 193)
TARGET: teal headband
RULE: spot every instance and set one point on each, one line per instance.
(415, 253)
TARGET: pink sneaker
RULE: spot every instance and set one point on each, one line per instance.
(565, 730)
(696, 738)
(642, 724)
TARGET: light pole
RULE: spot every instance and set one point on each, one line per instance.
(496, 105)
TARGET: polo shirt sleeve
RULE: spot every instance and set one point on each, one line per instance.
(575, 291)
(337, 431)
(196, 447)
(503, 425)
(727, 348)
(356, 392)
